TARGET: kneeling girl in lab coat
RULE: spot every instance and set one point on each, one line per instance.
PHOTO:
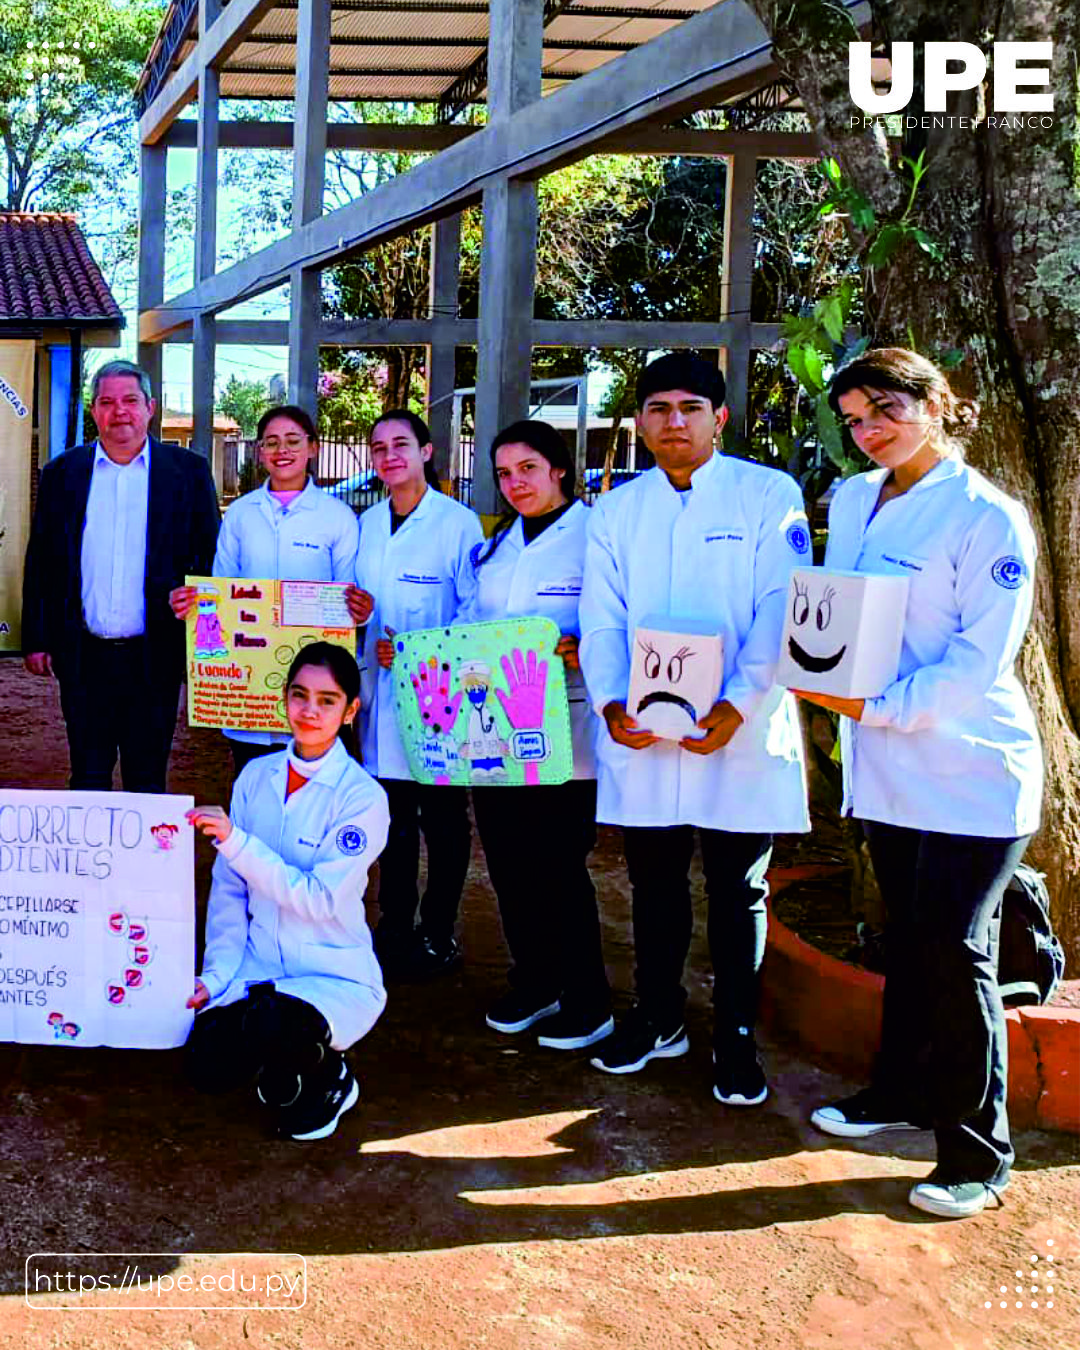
(289, 979)
(414, 565)
(532, 566)
(944, 768)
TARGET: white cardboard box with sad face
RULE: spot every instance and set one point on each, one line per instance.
(676, 669)
(842, 633)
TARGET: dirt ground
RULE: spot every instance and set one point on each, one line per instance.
(487, 1193)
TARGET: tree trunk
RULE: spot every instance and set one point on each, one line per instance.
(1005, 207)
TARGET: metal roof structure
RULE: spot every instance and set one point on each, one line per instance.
(415, 51)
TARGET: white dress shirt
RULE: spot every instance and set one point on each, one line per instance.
(114, 546)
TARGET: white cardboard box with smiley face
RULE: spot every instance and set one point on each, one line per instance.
(676, 668)
(842, 632)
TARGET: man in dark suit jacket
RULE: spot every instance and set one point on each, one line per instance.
(118, 525)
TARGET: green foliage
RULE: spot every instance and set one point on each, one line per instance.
(883, 238)
(67, 70)
(245, 401)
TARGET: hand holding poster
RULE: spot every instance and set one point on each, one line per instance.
(241, 639)
(97, 918)
(483, 704)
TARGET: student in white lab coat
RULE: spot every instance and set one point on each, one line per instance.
(532, 566)
(289, 979)
(413, 567)
(944, 768)
(704, 537)
(287, 529)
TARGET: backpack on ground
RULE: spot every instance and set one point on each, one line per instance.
(1031, 960)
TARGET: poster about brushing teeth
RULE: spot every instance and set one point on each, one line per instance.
(97, 918)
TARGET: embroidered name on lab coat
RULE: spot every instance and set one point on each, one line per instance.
(305, 543)
(421, 578)
(902, 562)
(725, 537)
(572, 586)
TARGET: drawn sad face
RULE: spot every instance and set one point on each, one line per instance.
(667, 670)
(810, 643)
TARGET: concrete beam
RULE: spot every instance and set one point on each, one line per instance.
(736, 280)
(720, 51)
(151, 290)
(216, 44)
(204, 351)
(445, 275)
(431, 139)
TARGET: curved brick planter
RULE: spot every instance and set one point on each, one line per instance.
(833, 1011)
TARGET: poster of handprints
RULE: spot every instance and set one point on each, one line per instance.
(483, 704)
(241, 639)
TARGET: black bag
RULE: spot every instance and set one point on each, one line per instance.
(1031, 961)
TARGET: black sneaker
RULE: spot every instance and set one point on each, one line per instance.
(859, 1116)
(738, 1078)
(639, 1039)
(316, 1114)
(516, 1012)
(953, 1198)
(574, 1031)
(431, 957)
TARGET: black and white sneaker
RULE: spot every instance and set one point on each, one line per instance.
(432, 957)
(316, 1114)
(574, 1031)
(738, 1078)
(859, 1116)
(637, 1040)
(953, 1198)
(516, 1012)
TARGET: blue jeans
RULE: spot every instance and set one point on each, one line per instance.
(943, 1057)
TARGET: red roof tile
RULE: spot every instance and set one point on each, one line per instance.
(47, 273)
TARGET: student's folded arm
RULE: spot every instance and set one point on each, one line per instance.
(994, 591)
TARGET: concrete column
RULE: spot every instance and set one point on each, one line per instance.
(736, 280)
(508, 257)
(442, 311)
(309, 184)
(204, 345)
(152, 169)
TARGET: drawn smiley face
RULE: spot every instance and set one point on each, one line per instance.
(809, 619)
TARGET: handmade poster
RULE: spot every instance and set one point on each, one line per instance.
(97, 918)
(842, 632)
(239, 649)
(483, 704)
(315, 604)
(676, 669)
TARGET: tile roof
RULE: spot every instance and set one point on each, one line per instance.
(47, 273)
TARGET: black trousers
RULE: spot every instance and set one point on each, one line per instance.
(943, 1057)
(443, 815)
(267, 1035)
(111, 708)
(658, 863)
(537, 841)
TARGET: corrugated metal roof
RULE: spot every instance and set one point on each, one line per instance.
(414, 54)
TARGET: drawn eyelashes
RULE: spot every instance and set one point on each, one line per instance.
(653, 662)
(800, 608)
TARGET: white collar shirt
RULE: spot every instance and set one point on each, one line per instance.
(114, 546)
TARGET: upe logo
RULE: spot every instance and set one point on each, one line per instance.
(1009, 77)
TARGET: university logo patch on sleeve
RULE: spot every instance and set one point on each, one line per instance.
(798, 536)
(1009, 572)
(351, 840)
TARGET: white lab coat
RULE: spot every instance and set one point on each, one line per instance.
(314, 538)
(952, 745)
(419, 578)
(287, 899)
(543, 579)
(721, 552)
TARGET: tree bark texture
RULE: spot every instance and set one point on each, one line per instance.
(1005, 207)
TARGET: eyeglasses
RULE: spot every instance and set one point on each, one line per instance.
(290, 443)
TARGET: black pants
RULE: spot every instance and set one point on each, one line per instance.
(658, 862)
(943, 1037)
(443, 815)
(243, 752)
(110, 708)
(537, 841)
(267, 1035)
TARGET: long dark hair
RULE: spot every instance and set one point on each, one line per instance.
(339, 661)
(549, 444)
(419, 429)
(906, 372)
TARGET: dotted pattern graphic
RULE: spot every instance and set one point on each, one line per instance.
(1037, 1283)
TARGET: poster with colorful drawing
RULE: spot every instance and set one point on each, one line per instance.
(240, 645)
(483, 704)
(97, 918)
